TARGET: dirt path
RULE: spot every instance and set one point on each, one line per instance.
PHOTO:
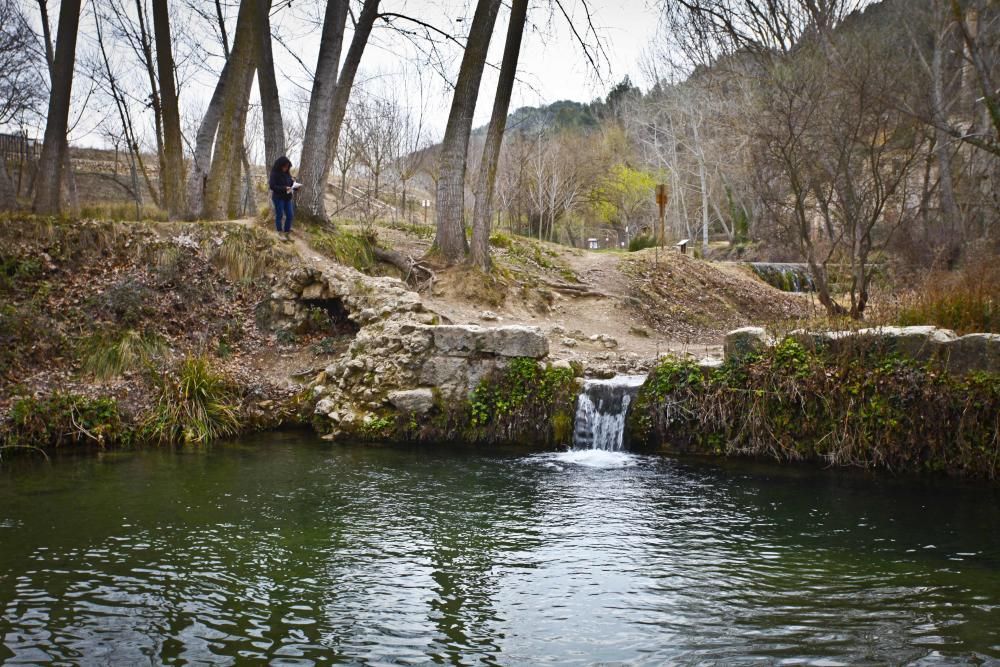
(677, 305)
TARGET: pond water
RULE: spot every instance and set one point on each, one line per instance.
(285, 549)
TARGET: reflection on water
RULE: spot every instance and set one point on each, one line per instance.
(288, 550)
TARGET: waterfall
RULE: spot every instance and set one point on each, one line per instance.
(787, 277)
(601, 411)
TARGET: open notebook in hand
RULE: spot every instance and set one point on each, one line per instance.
(296, 185)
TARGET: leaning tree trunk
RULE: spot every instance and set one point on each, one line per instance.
(450, 239)
(48, 185)
(270, 102)
(204, 141)
(172, 176)
(319, 147)
(482, 214)
(317, 134)
(218, 200)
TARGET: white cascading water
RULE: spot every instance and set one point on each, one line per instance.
(601, 411)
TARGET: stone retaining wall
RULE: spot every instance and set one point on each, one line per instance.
(959, 355)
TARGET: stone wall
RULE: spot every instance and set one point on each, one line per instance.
(958, 355)
(400, 360)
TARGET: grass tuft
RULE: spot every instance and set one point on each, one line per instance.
(246, 254)
(196, 405)
(106, 356)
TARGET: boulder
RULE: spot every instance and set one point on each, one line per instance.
(458, 340)
(517, 341)
(413, 401)
(920, 343)
(973, 352)
(746, 341)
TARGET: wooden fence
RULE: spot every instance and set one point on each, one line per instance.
(18, 147)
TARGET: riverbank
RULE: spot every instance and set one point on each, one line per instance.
(866, 402)
(132, 334)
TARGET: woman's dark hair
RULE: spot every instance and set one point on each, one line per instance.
(280, 163)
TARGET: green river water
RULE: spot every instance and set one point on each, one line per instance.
(288, 550)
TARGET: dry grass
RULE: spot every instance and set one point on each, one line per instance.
(967, 300)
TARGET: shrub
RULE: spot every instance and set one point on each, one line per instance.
(196, 405)
(109, 355)
(967, 300)
(641, 242)
(127, 302)
(15, 270)
(64, 418)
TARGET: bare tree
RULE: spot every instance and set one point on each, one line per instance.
(55, 150)
(482, 216)
(20, 82)
(328, 103)
(172, 174)
(450, 240)
(274, 129)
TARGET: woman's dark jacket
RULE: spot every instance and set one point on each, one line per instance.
(278, 182)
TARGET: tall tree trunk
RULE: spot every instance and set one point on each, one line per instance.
(56, 148)
(321, 100)
(218, 194)
(328, 103)
(204, 141)
(154, 88)
(172, 173)
(270, 103)
(450, 239)
(950, 214)
(482, 213)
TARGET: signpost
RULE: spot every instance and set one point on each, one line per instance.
(662, 197)
(425, 204)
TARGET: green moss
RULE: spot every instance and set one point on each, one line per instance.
(523, 404)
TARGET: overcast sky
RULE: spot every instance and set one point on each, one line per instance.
(552, 63)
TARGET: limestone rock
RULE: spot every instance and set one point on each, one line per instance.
(413, 401)
(742, 342)
(488, 316)
(518, 341)
(568, 342)
(973, 352)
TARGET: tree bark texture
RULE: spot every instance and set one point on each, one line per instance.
(219, 199)
(482, 214)
(312, 202)
(172, 174)
(48, 185)
(270, 102)
(450, 239)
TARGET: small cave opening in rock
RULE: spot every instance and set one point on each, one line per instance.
(330, 316)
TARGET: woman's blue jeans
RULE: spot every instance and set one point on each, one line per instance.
(286, 208)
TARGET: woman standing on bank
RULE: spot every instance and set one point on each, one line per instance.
(281, 184)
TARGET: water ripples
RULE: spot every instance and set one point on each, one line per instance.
(295, 553)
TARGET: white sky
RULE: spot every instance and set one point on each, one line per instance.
(552, 65)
